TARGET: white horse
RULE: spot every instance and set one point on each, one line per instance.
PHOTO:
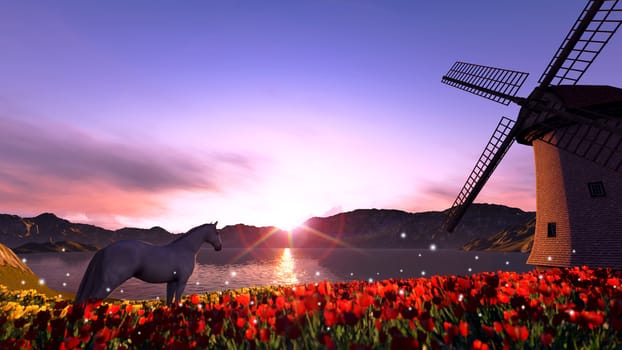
(172, 263)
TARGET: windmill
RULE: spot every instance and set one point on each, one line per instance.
(576, 134)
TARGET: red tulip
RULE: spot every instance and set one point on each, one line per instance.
(243, 299)
(464, 328)
(515, 332)
(546, 339)
(250, 333)
(264, 335)
(330, 317)
(280, 302)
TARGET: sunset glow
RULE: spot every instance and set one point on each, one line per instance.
(266, 113)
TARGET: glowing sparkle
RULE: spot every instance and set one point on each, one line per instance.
(23, 282)
(233, 273)
(226, 283)
(479, 314)
(549, 258)
(470, 269)
(64, 284)
(522, 307)
(401, 270)
(24, 260)
(540, 277)
(197, 283)
(122, 291)
(317, 273)
(67, 274)
(460, 297)
(432, 247)
(108, 290)
(507, 262)
(370, 280)
(377, 273)
(403, 235)
(419, 254)
(62, 250)
(573, 251)
(401, 292)
(157, 298)
(422, 273)
(60, 295)
(351, 273)
(477, 257)
(174, 272)
(41, 281)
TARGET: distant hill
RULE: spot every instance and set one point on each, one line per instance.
(48, 228)
(58, 247)
(375, 228)
(518, 238)
(363, 228)
(14, 274)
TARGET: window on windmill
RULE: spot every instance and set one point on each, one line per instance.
(597, 189)
(551, 229)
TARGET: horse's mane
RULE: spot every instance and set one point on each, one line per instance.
(184, 235)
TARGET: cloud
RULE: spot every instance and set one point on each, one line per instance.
(63, 153)
(55, 167)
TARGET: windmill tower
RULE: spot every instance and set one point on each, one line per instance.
(576, 134)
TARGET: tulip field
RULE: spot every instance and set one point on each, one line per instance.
(576, 308)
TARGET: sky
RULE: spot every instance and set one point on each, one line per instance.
(169, 113)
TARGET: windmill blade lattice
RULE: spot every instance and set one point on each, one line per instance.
(499, 143)
(596, 144)
(496, 84)
(591, 32)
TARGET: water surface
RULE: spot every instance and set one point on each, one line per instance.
(236, 268)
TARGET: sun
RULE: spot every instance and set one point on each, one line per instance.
(288, 223)
(288, 217)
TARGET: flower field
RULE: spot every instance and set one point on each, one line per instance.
(560, 308)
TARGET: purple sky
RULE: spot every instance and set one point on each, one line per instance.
(146, 113)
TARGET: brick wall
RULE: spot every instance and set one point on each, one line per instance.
(589, 226)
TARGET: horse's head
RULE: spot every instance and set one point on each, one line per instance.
(213, 236)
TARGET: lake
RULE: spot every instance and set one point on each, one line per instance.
(237, 268)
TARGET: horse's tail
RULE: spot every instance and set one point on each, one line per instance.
(90, 278)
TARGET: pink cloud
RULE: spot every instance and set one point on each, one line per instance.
(71, 172)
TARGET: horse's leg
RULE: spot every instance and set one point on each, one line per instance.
(181, 285)
(170, 290)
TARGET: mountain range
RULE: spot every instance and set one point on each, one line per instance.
(362, 228)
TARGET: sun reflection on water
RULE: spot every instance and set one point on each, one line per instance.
(285, 268)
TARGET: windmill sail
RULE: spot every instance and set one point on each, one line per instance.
(591, 32)
(496, 84)
(499, 143)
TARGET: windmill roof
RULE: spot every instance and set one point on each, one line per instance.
(581, 96)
